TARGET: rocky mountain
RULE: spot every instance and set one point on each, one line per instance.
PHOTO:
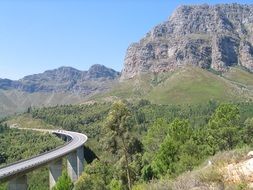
(64, 79)
(213, 37)
(209, 36)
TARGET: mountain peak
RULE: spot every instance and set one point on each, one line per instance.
(97, 66)
(208, 36)
(101, 71)
(66, 68)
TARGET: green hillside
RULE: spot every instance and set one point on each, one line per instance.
(14, 101)
(240, 76)
(192, 85)
(186, 85)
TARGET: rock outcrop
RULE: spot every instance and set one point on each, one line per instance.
(64, 79)
(240, 172)
(207, 36)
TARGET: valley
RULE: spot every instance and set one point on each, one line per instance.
(187, 85)
(150, 127)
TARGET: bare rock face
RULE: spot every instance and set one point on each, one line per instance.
(207, 36)
(241, 171)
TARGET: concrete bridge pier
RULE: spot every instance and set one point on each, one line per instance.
(69, 138)
(18, 183)
(72, 165)
(55, 171)
(80, 160)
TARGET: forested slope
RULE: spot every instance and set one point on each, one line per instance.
(20, 144)
(160, 140)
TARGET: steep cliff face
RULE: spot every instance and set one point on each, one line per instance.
(207, 36)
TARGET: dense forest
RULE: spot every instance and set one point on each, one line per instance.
(142, 142)
(20, 144)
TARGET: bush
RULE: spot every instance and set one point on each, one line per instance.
(64, 183)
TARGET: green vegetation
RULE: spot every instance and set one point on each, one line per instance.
(186, 85)
(204, 176)
(27, 121)
(192, 85)
(11, 139)
(161, 141)
(15, 101)
(118, 122)
(240, 76)
(20, 144)
(64, 183)
(178, 124)
(97, 176)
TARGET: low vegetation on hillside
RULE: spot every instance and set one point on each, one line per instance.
(188, 84)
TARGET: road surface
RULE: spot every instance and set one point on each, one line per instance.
(21, 167)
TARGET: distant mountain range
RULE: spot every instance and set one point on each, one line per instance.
(64, 79)
(200, 53)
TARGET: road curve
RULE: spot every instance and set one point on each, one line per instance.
(24, 166)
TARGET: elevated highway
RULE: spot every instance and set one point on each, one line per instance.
(16, 172)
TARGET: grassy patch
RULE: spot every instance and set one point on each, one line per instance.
(187, 85)
(26, 121)
(240, 76)
(192, 85)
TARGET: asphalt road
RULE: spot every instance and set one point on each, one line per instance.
(24, 166)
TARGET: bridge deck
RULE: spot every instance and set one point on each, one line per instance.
(24, 166)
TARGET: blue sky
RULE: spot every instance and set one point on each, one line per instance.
(37, 35)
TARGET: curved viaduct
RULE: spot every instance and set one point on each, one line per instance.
(15, 173)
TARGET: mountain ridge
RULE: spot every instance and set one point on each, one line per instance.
(201, 52)
(62, 79)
